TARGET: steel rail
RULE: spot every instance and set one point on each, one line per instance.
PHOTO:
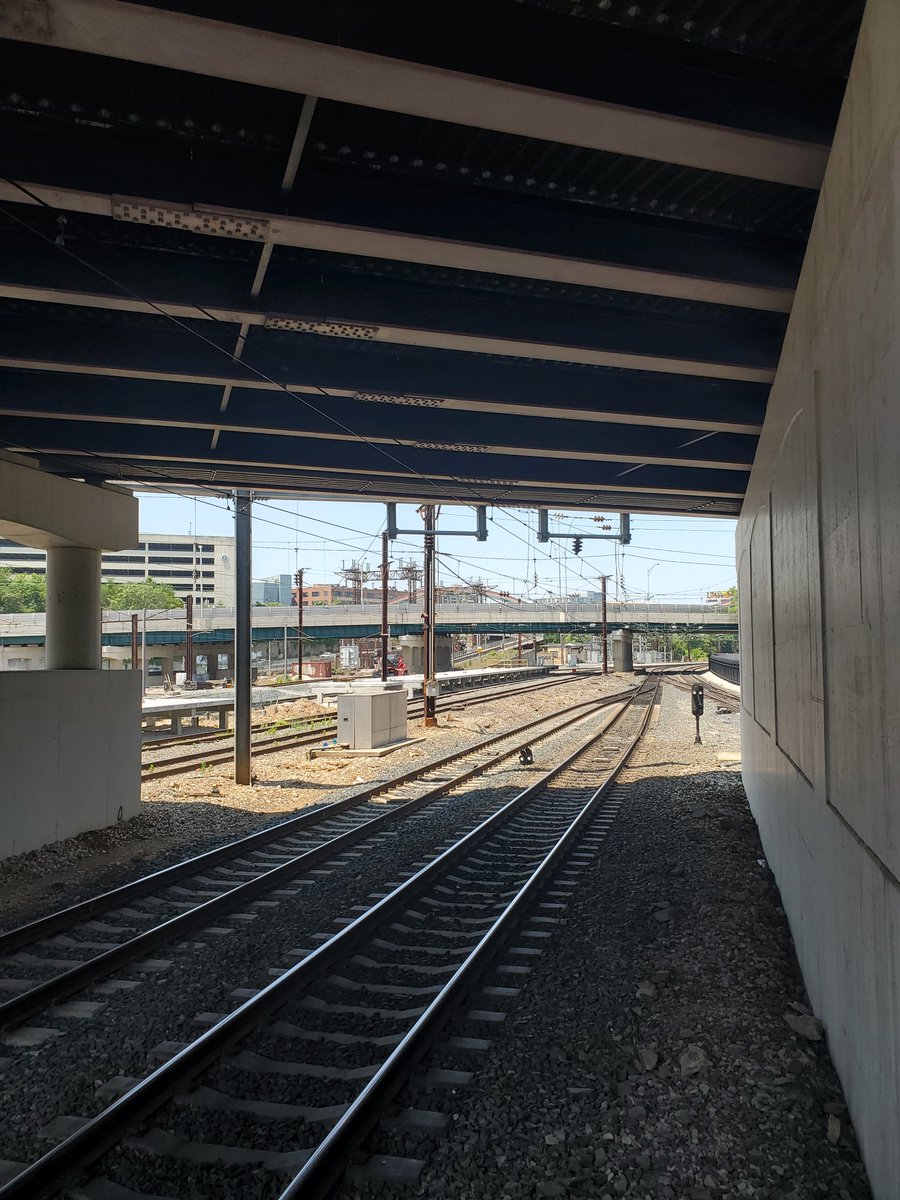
(484, 692)
(164, 767)
(685, 681)
(20, 1008)
(14, 939)
(328, 1161)
(106, 1129)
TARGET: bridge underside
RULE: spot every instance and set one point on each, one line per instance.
(527, 253)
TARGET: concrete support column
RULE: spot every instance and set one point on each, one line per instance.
(443, 652)
(622, 651)
(412, 647)
(167, 662)
(73, 609)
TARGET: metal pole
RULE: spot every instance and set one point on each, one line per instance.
(134, 641)
(189, 638)
(243, 506)
(385, 631)
(603, 630)
(299, 579)
(285, 646)
(144, 655)
(428, 619)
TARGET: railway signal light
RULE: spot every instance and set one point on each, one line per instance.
(576, 545)
(697, 707)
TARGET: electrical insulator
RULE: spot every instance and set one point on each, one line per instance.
(576, 545)
(298, 578)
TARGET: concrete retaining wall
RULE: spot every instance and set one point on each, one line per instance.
(819, 574)
(70, 752)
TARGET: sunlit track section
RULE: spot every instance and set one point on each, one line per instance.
(167, 905)
(720, 696)
(356, 1013)
(268, 740)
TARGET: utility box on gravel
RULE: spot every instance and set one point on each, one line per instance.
(366, 720)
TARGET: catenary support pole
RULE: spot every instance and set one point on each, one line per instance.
(428, 621)
(144, 655)
(385, 632)
(299, 580)
(188, 638)
(134, 642)
(242, 635)
(603, 630)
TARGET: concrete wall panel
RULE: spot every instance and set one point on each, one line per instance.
(81, 765)
(825, 493)
(763, 678)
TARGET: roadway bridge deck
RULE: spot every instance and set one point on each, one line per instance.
(357, 621)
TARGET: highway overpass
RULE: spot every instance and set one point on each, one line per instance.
(167, 627)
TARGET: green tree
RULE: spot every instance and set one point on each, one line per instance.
(147, 594)
(22, 593)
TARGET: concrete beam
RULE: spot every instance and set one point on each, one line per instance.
(183, 42)
(336, 238)
(44, 510)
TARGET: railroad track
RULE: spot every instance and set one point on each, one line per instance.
(485, 692)
(65, 952)
(719, 696)
(292, 739)
(312, 1060)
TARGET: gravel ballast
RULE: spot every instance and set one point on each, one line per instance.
(60, 1078)
(188, 814)
(662, 1047)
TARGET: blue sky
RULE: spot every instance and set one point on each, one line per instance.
(677, 558)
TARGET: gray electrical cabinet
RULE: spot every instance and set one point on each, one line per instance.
(366, 720)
